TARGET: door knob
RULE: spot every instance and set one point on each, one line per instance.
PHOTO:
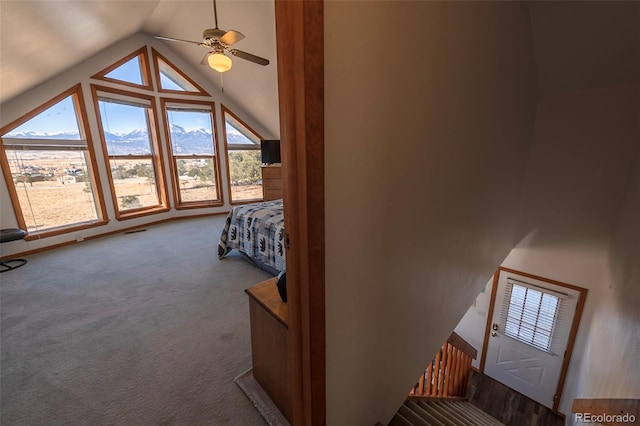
(494, 329)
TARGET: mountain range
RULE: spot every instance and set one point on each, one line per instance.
(185, 141)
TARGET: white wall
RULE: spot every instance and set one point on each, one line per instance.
(23, 104)
(611, 358)
(428, 119)
(580, 205)
(579, 170)
(474, 323)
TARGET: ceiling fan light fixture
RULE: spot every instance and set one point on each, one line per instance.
(219, 62)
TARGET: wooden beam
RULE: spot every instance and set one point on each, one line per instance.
(300, 49)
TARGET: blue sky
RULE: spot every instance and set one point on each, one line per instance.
(116, 118)
(59, 118)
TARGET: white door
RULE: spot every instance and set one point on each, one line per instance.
(528, 336)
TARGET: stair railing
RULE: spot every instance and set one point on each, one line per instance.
(447, 375)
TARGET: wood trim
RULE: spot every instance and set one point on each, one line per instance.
(300, 50)
(572, 334)
(539, 278)
(177, 196)
(464, 346)
(224, 110)
(77, 96)
(13, 193)
(144, 70)
(141, 212)
(83, 124)
(487, 330)
(156, 157)
(267, 296)
(156, 55)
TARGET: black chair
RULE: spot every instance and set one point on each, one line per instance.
(7, 235)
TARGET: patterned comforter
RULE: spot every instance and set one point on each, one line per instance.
(257, 230)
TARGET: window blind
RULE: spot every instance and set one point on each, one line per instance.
(534, 315)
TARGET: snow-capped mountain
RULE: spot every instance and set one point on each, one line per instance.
(192, 141)
(34, 135)
(136, 142)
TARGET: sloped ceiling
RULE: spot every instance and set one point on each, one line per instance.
(40, 39)
(578, 45)
(581, 45)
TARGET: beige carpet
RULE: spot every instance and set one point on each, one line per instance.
(148, 328)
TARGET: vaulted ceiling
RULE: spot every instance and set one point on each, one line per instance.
(578, 45)
(40, 39)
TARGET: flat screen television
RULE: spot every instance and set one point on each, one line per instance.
(270, 151)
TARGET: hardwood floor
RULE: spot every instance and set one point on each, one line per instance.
(507, 405)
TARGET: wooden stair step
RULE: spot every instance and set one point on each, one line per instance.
(431, 412)
(425, 415)
(412, 416)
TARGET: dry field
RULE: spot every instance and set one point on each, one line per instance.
(47, 204)
(52, 204)
(60, 202)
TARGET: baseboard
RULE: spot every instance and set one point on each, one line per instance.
(260, 399)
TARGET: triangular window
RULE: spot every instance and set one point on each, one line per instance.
(171, 79)
(132, 70)
(59, 122)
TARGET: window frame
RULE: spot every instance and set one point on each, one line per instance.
(166, 105)
(145, 71)
(225, 111)
(77, 97)
(156, 156)
(156, 55)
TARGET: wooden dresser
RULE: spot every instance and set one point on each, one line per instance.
(269, 318)
(271, 182)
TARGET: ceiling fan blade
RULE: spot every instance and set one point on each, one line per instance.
(249, 57)
(231, 37)
(205, 60)
(199, 43)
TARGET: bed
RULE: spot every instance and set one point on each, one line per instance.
(257, 231)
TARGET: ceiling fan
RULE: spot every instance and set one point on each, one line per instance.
(220, 41)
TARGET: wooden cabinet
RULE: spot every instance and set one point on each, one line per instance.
(271, 182)
(269, 318)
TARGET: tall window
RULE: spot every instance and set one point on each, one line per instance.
(129, 134)
(194, 166)
(48, 163)
(243, 159)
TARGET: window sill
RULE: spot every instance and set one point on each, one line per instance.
(199, 205)
(140, 213)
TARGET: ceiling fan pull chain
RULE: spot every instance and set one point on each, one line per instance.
(221, 83)
(215, 13)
